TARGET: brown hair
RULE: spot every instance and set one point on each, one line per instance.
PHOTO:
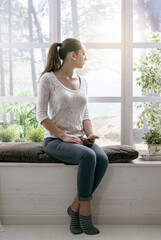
(55, 55)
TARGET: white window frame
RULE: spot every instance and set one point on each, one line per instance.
(126, 46)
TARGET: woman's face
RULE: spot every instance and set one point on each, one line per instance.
(80, 57)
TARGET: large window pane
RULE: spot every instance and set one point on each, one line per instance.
(147, 18)
(91, 21)
(106, 122)
(103, 72)
(24, 21)
(20, 71)
(147, 65)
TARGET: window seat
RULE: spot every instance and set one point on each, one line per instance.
(36, 193)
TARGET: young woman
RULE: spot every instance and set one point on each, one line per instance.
(62, 109)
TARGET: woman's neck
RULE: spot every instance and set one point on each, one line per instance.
(67, 71)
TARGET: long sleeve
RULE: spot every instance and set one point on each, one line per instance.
(86, 112)
(43, 99)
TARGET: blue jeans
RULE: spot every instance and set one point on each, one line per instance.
(92, 163)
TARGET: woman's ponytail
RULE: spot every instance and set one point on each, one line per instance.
(53, 59)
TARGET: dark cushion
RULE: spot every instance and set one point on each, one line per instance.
(24, 152)
(33, 152)
(120, 153)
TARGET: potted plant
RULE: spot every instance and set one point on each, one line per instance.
(153, 139)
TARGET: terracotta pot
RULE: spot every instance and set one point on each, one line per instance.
(154, 149)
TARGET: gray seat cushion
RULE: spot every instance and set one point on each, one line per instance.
(33, 152)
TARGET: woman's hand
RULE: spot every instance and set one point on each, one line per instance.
(90, 139)
(71, 138)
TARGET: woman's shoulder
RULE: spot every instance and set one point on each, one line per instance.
(48, 81)
(46, 75)
(47, 78)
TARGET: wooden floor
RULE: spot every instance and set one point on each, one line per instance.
(61, 232)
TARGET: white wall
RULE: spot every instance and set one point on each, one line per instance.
(40, 193)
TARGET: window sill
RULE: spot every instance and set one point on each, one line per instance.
(134, 163)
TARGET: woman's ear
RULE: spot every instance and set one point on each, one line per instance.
(73, 55)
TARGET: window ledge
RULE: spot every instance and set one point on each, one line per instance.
(134, 163)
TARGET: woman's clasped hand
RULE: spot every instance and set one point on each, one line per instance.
(86, 141)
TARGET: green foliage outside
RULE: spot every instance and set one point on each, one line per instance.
(8, 134)
(35, 134)
(24, 115)
(24, 126)
(149, 68)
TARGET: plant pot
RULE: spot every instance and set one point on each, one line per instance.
(154, 149)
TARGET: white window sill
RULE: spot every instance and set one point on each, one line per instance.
(134, 163)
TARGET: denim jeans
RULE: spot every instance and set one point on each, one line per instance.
(91, 160)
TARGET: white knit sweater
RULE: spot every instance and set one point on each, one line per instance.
(65, 107)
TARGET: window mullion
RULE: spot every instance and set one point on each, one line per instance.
(147, 45)
(17, 99)
(55, 21)
(127, 70)
(103, 45)
(27, 45)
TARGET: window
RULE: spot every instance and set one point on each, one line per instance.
(116, 35)
(146, 46)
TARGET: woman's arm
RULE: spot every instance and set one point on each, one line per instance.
(51, 127)
(87, 127)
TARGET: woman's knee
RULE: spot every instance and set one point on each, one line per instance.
(89, 157)
(103, 160)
